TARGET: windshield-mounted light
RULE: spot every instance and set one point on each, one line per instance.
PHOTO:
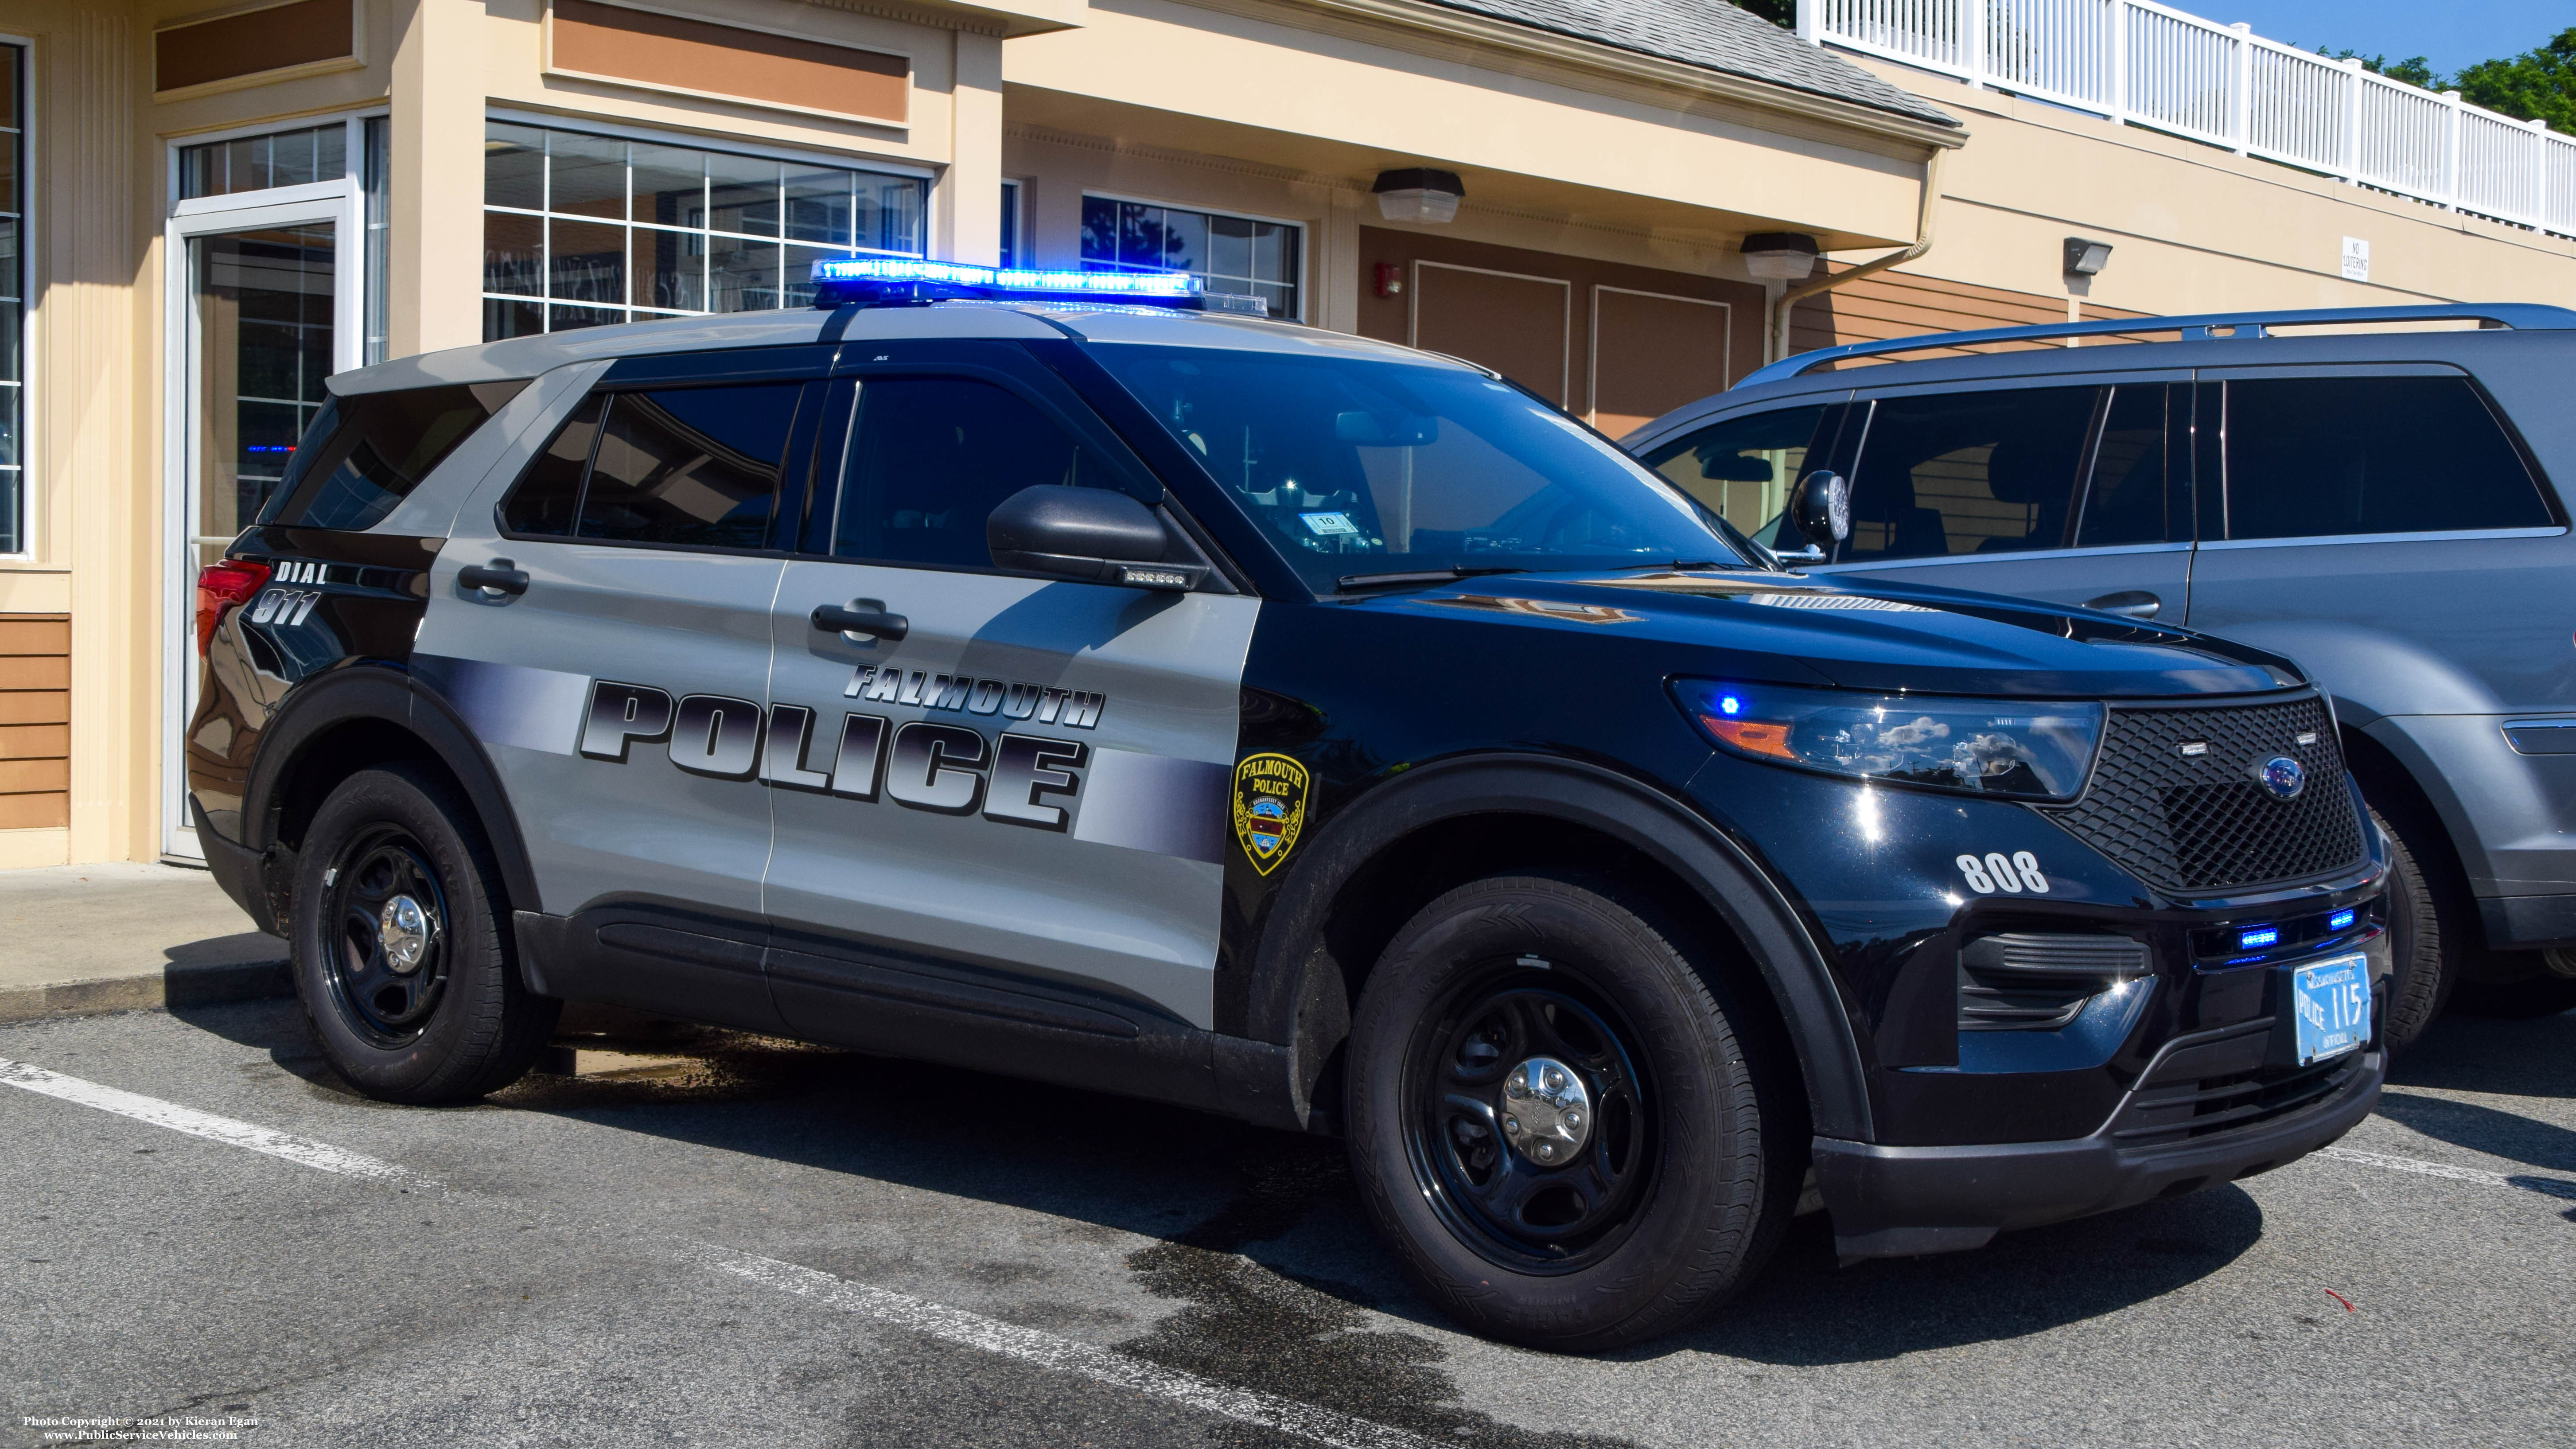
(2016, 749)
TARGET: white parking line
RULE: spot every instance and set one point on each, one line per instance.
(954, 1325)
(198, 1124)
(2546, 1186)
(1064, 1355)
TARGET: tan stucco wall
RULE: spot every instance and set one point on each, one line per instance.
(2195, 228)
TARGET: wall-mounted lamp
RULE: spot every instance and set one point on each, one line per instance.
(1419, 194)
(1780, 256)
(2086, 258)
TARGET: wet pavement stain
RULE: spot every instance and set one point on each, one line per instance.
(1300, 1338)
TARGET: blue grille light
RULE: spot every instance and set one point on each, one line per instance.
(2341, 919)
(1729, 704)
(2259, 936)
(1133, 285)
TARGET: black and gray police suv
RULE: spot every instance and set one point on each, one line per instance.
(1243, 715)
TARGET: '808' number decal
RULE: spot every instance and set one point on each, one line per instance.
(2011, 874)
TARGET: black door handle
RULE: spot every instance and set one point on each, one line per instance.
(874, 623)
(496, 576)
(2133, 603)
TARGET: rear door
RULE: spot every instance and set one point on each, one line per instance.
(2075, 492)
(620, 693)
(1021, 805)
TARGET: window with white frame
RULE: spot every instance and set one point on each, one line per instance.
(13, 294)
(582, 229)
(1228, 253)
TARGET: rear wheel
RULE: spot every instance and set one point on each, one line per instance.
(2424, 973)
(401, 946)
(1555, 1118)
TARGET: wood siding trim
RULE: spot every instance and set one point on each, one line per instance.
(35, 721)
(1900, 304)
(248, 47)
(668, 52)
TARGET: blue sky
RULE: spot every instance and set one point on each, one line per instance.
(2451, 33)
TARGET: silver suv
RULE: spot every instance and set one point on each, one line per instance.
(2374, 502)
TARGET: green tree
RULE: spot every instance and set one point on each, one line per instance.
(2537, 85)
(1783, 13)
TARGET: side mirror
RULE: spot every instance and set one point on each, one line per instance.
(1091, 534)
(1820, 508)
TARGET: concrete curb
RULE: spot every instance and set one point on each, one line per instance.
(177, 985)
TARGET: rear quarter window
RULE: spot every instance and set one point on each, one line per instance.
(2311, 457)
(368, 452)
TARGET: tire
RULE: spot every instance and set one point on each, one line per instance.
(456, 1022)
(1671, 1199)
(2426, 970)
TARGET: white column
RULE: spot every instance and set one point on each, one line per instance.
(1972, 26)
(2241, 80)
(434, 248)
(2353, 84)
(968, 203)
(2450, 150)
(2119, 48)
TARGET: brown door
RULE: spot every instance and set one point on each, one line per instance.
(1651, 353)
(1520, 326)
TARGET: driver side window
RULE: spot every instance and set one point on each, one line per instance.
(1742, 469)
(929, 459)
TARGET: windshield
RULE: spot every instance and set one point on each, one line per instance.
(1358, 468)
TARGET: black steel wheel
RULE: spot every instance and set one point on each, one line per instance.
(403, 954)
(389, 967)
(1568, 1125)
(1529, 1117)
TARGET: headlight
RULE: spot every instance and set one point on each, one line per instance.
(2013, 748)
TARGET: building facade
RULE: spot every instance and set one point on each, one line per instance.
(207, 210)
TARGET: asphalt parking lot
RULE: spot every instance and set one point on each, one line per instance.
(724, 1240)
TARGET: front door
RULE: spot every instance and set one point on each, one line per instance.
(259, 330)
(1024, 796)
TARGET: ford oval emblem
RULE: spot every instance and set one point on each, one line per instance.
(2283, 776)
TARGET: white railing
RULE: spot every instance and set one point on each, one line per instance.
(2142, 64)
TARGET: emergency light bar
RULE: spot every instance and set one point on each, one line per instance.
(889, 282)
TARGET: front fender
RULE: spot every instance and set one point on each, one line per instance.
(1650, 822)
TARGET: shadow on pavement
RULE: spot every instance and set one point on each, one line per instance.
(2510, 1058)
(2483, 1129)
(1260, 1234)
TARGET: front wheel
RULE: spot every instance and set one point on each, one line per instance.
(401, 952)
(2425, 971)
(1555, 1118)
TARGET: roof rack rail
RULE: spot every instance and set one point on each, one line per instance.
(2519, 316)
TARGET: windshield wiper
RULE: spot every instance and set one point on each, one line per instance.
(1419, 576)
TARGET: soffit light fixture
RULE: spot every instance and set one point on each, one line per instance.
(1419, 194)
(1780, 256)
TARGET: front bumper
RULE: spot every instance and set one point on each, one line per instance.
(1892, 1202)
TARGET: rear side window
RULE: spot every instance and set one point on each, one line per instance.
(1968, 473)
(366, 453)
(2320, 456)
(682, 467)
(929, 460)
(1742, 469)
(2137, 495)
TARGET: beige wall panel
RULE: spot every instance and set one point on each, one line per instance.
(967, 199)
(20, 849)
(511, 63)
(2196, 228)
(1399, 107)
(673, 53)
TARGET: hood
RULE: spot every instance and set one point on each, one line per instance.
(1866, 634)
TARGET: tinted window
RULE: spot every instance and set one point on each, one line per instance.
(2315, 456)
(1353, 465)
(366, 453)
(1743, 467)
(549, 493)
(929, 460)
(1980, 472)
(692, 466)
(2133, 498)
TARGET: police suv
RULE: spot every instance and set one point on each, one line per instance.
(1072, 677)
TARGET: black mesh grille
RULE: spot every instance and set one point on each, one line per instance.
(2202, 822)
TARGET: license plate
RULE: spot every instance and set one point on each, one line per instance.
(2331, 1000)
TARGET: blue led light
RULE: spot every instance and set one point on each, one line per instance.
(1010, 279)
(2259, 936)
(2340, 919)
(1729, 704)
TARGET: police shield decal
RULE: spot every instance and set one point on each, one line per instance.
(1269, 808)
